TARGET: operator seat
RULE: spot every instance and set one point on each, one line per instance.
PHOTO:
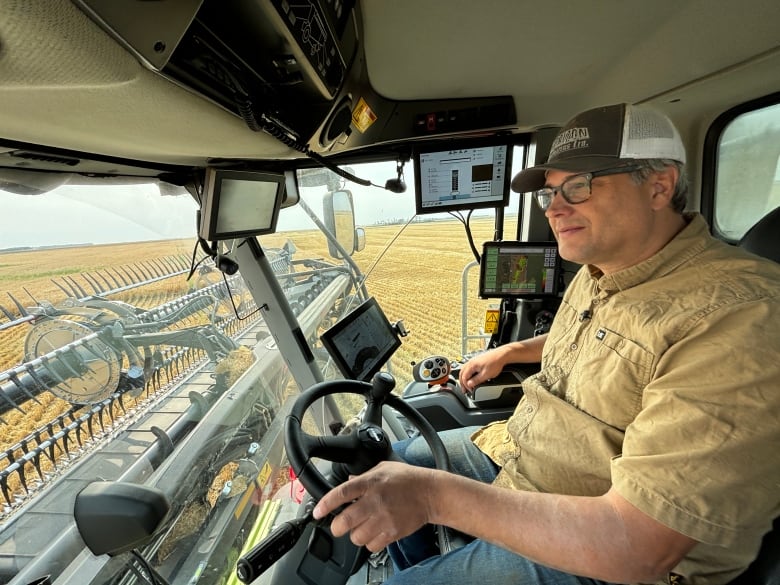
(763, 239)
(765, 570)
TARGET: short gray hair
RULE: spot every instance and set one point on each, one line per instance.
(654, 165)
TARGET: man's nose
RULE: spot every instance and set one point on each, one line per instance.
(557, 205)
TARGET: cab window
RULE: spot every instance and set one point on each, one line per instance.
(748, 171)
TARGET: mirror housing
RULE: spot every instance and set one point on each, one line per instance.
(116, 517)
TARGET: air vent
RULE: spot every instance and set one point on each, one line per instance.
(337, 124)
(45, 157)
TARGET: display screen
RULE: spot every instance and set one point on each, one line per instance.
(519, 269)
(462, 175)
(362, 342)
(240, 203)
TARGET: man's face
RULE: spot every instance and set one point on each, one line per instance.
(614, 229)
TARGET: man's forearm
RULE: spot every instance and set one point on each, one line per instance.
(489, 364)
(581, 535)
(528, 351)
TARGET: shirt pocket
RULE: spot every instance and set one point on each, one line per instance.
(610, 376)
(563, 328)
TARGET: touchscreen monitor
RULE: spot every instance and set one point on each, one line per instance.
(362, 341)
(462, 175)
(238, 204)
(519, 269)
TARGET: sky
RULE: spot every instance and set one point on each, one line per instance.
(79, 214)
(103, 214)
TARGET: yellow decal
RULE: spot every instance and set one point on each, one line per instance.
(363, 116)
(264, 475)
(491, 321)
(262, 478)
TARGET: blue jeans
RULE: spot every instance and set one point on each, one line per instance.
(416, 558)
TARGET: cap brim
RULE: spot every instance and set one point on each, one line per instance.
(533, 178)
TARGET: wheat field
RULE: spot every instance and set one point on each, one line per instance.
(418, 279)
(415, 276)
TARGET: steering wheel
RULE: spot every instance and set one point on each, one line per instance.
(358, 451)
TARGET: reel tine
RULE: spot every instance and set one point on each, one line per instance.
(142, 270)
(93, 283)
(15, 379)
(29, 294)
(62, 288)
(127, 274)
(113, 278)
(22, 311)
(77, 285)
(7, 314)
(12, 403)
(124, 282)
(97, 275)
(138, 279)
(52, 372)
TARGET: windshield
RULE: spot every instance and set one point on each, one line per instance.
(120, 345)
(413, 265)
(128, 356)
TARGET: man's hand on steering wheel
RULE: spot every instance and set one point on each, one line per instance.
(386, 500)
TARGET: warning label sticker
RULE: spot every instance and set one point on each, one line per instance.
(363, 116)
(491, 321)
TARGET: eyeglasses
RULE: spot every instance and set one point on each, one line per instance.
(576, 189)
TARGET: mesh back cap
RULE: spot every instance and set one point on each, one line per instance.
(603, 138)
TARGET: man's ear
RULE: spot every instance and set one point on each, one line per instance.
(662, 184)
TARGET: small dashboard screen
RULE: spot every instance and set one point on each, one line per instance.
(361, 342)
(519, 269)
(238, 204)
(462, 176)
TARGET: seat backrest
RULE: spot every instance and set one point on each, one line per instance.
(765, 570)
(763, 238)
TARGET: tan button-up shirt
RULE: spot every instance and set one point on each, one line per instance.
(670, 391)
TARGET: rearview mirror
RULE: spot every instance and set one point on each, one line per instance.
(116, 517)
(339, 216)
(360, 239)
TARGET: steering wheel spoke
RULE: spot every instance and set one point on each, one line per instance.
(340, 448)
(362, 448)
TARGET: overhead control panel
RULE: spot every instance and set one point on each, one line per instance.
(278, 64)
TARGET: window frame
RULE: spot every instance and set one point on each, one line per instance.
(710, 155)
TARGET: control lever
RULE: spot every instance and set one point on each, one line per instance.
(272, 548)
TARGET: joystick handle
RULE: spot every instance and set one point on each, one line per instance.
(272, 548)
(382, 385)
(432, 370)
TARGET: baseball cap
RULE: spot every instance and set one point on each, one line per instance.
(603, 138)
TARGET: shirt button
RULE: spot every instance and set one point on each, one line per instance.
(529, 409)
(573, 346)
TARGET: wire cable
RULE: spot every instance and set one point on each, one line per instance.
(232, 302)
(145, 564)
(386, 248)
(466, 224)
(194, 265)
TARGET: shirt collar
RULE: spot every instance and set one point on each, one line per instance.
(691, 240)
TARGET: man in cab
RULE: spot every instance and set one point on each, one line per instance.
(646, 448)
